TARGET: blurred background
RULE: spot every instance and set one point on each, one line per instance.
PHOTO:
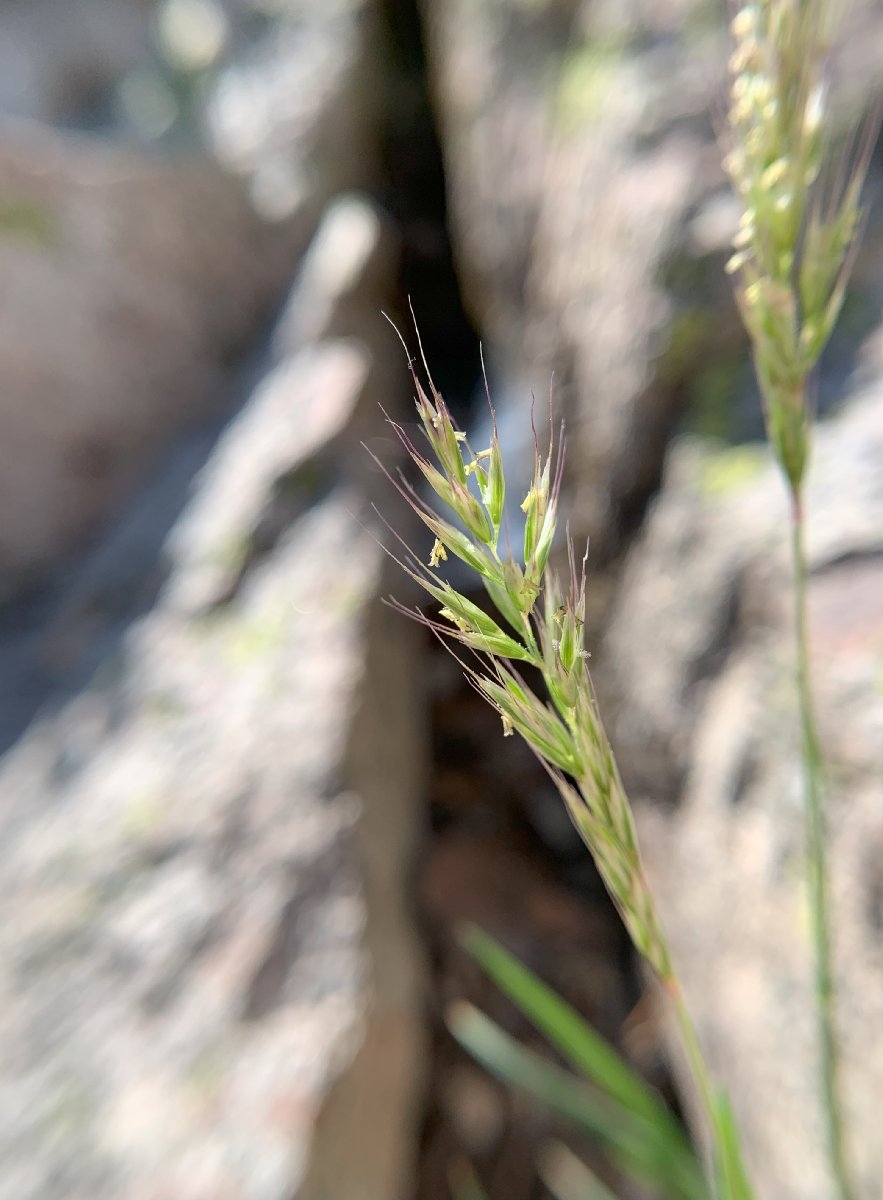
(245, 806)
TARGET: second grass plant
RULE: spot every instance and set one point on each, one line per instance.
(799, 220)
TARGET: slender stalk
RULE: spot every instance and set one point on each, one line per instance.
(794, 251)
(698, 1069)
(817, 869)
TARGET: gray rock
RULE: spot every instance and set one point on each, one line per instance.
(578, 145)
(209, 983)
(62, 60)
(134, 282)
(272, 451)
(698, 669)
(296, 110)
(354, 246)
(591, 224)
(131, 285)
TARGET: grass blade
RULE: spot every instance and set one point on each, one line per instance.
(574, 1039)
(732, 1177)
(634, 1143)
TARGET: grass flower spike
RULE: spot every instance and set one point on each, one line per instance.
(547, 624)
(542, 625)
(792, 251)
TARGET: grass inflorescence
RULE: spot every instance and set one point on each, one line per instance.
(800, 214)
(539, 623)
(538, 632)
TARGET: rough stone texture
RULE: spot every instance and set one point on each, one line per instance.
(578, 147)
(59, 61)
(208, 977)
(130, 287)
(297, 108)
(698, 667)
(134, 282)
(591, 220)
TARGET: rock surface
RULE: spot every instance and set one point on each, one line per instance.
(209, 980)
(62, 62)
(699, 660)
(579, 148)
(591, 222)
(135, 280)
(296, 110)
(131, 286)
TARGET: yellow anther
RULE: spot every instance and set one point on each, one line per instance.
(461, 624)
(530, 499)
(473, 466)
(744, 24)
(774, 174)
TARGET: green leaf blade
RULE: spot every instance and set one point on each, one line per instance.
(632, 1142)
(586, 1050)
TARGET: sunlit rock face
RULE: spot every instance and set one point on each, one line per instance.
(591, 223)
(144, 253)
(133, 283)
(213, 766)
(210, 730)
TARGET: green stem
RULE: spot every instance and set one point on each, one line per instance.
(727, 1174)
(817, 868)
(698, 1067)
